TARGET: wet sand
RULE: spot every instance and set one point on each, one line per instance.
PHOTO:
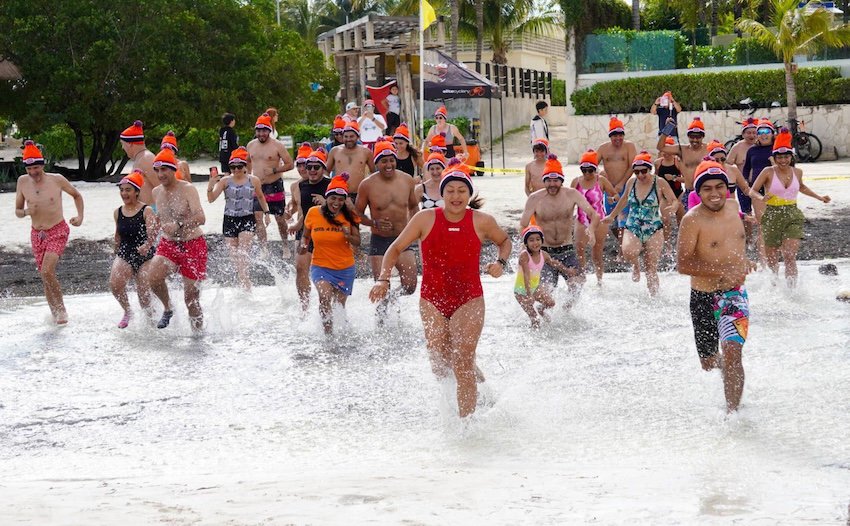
(85, 266)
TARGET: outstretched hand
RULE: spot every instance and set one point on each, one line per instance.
(379, 291)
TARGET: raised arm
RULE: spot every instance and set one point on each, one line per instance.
(216, 186)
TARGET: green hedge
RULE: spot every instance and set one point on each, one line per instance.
(559, 92)
(59, 142)
(815, 86)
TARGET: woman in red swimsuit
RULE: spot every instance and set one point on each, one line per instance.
(451, 299)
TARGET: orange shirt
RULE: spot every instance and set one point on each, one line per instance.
(330, 249)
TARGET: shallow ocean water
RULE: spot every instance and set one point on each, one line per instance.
(603, 416)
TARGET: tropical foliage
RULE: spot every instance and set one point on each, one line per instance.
(98, 65)
(794, 31)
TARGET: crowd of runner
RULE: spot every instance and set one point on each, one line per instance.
(717, 202)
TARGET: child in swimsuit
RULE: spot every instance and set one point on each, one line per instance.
(527, 289)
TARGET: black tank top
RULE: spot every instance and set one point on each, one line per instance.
(307, 190)
(132, 231)
(669, 173)
(406, 165)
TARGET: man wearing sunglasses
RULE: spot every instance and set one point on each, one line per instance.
(691, 155)
(310, 193)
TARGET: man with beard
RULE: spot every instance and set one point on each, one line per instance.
(554, 210)
(353, 158)
(390, 195)
(268, 160)
(712, 251)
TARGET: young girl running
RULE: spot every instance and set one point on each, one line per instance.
(527, 289)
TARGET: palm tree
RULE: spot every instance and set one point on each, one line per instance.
(305, 21)
(798, 31)
(479, 21)
(636, 15)
(455, 21)
(506, 21)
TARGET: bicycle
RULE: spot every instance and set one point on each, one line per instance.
(748, 107)
(807, 145)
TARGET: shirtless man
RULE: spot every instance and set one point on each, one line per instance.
(390, 195)
(738, 153)
(133, 144)
(39, 195)
(182, 246)
(691, 155)
(712, 251)
(554, 209)
(534, 169)
(353, 158)
(268, 160)
(616, 156)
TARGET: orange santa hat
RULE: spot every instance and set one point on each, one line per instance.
(239, 156)
(696, 126)
(715, 147)
(339, 124)
(782, 143)
(402, 132)
(318, 156)
(169, 141)
(303, 152)
(264, 122)
(456, 171)
(134, 134)
(615, 126)
(165, 158)
(532, 228)
(435, 158)
(134, 178)
(553, 168)
(438, 143)
(541, 142)
(442, 111)
(589, 159)
(32, 155)
(338, 185)
(643, 159)
(384, 148)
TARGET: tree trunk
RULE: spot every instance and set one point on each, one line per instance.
(479, 37)
(636, 15)
(81, 154)
(714, 17)
(738, 12)
(791, 90)
(455, 20)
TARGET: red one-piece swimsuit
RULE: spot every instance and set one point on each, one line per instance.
(451, 253)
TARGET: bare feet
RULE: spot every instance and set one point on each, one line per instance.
(61, 317)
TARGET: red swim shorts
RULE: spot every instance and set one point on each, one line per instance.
(53, 240)
(189, 256)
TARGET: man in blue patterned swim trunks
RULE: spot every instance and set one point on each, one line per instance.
(712, 250)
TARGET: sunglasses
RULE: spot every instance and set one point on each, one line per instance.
(439, 117)
(314, 166)
(764, 132)
(720, 159)
(587, 170)
(641, 171)
(237, 167)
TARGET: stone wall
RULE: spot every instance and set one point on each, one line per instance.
(830, 123)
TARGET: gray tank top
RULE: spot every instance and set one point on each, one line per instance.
(239, 199)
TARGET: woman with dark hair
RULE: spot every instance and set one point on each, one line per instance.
(452, 300)
(408, 159)
(135, 240)
(333, 231)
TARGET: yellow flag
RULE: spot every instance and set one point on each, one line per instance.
(428, 15)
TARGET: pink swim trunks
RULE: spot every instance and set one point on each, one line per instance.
(53, 240)
(189, 256)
